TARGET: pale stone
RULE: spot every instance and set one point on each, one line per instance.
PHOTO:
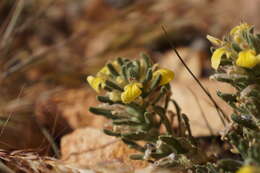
(91, 148)
(192, 58)
(185, 93)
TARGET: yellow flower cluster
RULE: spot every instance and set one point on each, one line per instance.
(124, 87)
(249, 169)
(243, 56)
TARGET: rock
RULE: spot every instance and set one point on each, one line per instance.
(90, 148)
(183, 94)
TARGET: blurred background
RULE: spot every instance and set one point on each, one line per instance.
(48, 47)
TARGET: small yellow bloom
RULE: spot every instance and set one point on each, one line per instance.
(247, 58)
(249, 169)
(217, 55)
(131, 92)
(104, 71)
(96, 82)
(214, 40)
(167, 75)
(238, 29)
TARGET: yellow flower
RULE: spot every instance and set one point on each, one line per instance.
(131, 92)
(96, 82)
(217, 55)
(104, 71)
(214, 40)
(238, 29)
(247, 58)
(249, 169)
(167, 75)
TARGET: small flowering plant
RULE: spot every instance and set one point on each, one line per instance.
(130, 81)
(236, 60)
(135, 95)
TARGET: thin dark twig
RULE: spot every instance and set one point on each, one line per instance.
(197, 80)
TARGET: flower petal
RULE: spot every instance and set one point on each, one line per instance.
(238, 29)
(95, 82)
(167, 75)
(217, 55)
(131, 92)
(104, 70)
(248, 169)
(247, 58)
(236, 32)
(214, 40)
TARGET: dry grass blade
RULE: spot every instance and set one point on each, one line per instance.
(221, 114)
(10, 114)
(5, 123)
(50, 139)
(32, 19)
(11, 25)
(37, 56)
(5, 168)
(31, 162)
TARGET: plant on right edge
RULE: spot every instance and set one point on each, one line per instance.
(236, 60)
